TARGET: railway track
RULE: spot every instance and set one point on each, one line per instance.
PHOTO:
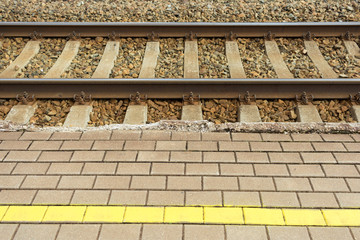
(236, 85)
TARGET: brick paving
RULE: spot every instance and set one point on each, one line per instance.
(158, 168)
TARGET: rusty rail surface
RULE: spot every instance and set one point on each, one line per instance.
(137, 29)
(176, 88)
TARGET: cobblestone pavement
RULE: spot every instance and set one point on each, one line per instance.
(316, 174)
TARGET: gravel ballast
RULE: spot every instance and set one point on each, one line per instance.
(179, 11)
(11, 48)
(50, 50)
(170, 62)
(51, 112)
(108, 111)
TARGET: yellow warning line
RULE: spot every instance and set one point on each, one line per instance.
(198, 215)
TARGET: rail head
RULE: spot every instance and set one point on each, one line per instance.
(177, 29)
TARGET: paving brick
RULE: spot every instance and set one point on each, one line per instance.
(271, 170)
(166, 198)
(78, 231)
(87, 156)
(354, 184)
(128, 197)
(221, 183)
(150, 156)
(356, 137)
(356, 232)
(306, 137)
(6, 168)
(148, 182)
(40, 182)
(112, 182)
(292, 184)
(288, 233)
(202, 146)
(297, 146)
(17, 196)
(219, 157)
(14, 145)
(3, 155)
(11, 181)
(215, 136)
(184, 183)
(170, 145)
(66, 136)
(306, 170)
(204, 232)
(156, 135)
(125, 135)
(329, 147)
(318, 158)
(285, 157)
(45, 145)
(330, 233)
(241, 199)
(133, 169)
(202, 198)
(53, 197)
(99, 168)
(279, 199)
(245, 232)
(120, 156)
(265, 146)
(35, 136)
(10, 135)
(246, 137)
(76, 182)
(318, 200)
(348, 200)
(186, 136)
(168, 169)
(126, 231)
(90, 197)
(37, 231)
(156, 231)
(139, 145)
(96, 135)
(7, 231)
(237, 169)
(275, 137)
(31, 168)
(256, 183)
(329, 184)
(233, 146)
(337, 138)
(352, 147)
(186, 157)
(335, 170)
(54, 156)
(347, 157)
(108, 145)
(22, 156)
(77, 145)
(65, 168)
(202, 169)
(251, 157)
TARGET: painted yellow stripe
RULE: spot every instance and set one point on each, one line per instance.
(167, 214)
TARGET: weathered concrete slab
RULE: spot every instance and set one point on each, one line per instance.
(249, 113)
(148, 66)
(277, 61)
(136, 115)
(70, 50)
(234, 60)
(307, 114)
(355, 111)
(79, 116)
(191, 113)
(107, 61)
(191, 61)
(21, 114)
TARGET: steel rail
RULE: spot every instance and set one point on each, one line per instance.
(176, 88)
(171, 29)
